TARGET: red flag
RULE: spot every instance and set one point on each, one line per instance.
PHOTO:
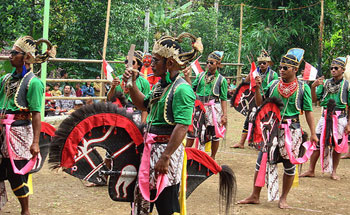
(196, 67)
(253, 73)
(310, 72)
(108, 70)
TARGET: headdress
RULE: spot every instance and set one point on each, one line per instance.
(30, 46)
(216, 55)
(169, 47)
(293, 57)
(264, 56)
(138, 55)
(341, 61)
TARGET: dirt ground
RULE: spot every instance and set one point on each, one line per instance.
(60, 193)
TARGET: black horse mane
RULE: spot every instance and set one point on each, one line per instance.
(73, 120)
(274, 100)
(233, 98)
(228, 188)
(329, 121)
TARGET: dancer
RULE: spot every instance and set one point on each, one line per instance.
(211, 87)
(21, 97)
(335, 89)
(296, 97)
(267, 75)
(170, 105)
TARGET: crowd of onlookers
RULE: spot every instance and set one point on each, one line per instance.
(67, 106)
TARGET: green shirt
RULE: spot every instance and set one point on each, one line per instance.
(289, 108)
(336, 96)
(34, 96)
(141, 83)
(182, 105)
(203, 89)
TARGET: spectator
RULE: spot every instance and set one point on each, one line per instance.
(88, 90)
(78, 90)
(65, 105)
(77, 105)
(89, 101)
(47, 93)
(56, 90)
(64, 75)
(97, 86)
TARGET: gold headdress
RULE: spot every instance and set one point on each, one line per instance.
(168, 47)
(264, 56)
(28, 45)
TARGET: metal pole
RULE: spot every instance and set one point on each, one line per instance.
(102, 91)
(239, 70)
(321, 41)
(44, 65)
(146, 44)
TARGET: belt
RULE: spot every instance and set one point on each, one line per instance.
(294, 119)
(161, 130)
(162, 138)
(208, 98)
(20, 116)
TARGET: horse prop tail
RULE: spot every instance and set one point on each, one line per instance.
(228, 188)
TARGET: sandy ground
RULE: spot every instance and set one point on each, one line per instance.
(60, 193)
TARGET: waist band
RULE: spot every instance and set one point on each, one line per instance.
(161, 130)
(294, 119)
(208, 98)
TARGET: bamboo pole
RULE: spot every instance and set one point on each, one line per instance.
(321, 40)
(78, 80)
(239, 71)
(74, 98)
(102, 91)
(44, 47)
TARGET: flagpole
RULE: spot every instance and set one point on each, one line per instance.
(102, 91)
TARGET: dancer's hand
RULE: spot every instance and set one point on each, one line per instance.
(187, 71)
(115, 82)
(347, 129)
(130, 72)
(318, 82)
(162, 165)
(34, 149)
(223, 120)
(258, 82)
(314, 138)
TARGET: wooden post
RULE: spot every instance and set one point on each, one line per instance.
(145, 43)
(321, 40)
(44, 47)
(239, 70)
(102, 91)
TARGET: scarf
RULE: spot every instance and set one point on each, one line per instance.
(287, 89)
(333, 86)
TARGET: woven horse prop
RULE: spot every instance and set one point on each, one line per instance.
(113, 129)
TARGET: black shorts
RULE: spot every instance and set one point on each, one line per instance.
(19, 183)
(289, 168)
(168, 200)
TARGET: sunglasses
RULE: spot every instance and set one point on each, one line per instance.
(283, 67)
(334, 67)
(210, 62)
(14, 52)
(133, 62)
(262, 63)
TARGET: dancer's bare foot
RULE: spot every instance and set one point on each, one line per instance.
(249, 200)
(283, 204)
(25, 213)
(237, 146)
(335, 177)
(346, 156)
(308, 174)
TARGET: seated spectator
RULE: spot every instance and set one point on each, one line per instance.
(56, 90)
(78, 90)
(77, 105)
(64, 75)
(65, 105)
(88, 90)
(89, 101)
(47, 93)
